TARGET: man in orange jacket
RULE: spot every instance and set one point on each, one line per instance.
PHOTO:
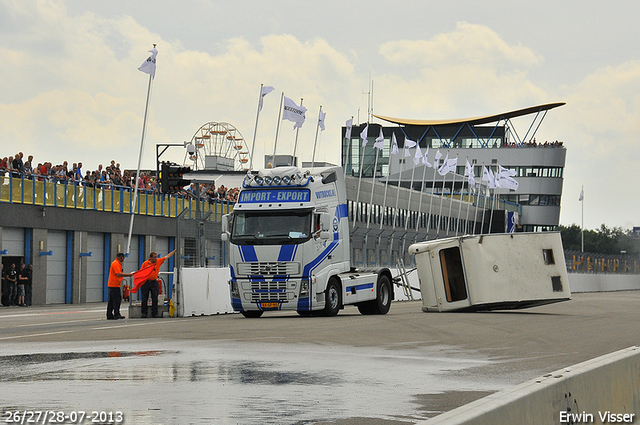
(115, 280)
(151, 285)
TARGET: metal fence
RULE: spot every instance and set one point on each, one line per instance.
(109, 198)
(590, 262)
(199, 240)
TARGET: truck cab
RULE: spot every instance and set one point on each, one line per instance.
(289, 247)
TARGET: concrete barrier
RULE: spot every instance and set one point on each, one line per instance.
(592, 282)
(599, 391)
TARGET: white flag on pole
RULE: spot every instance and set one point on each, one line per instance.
(364, 136)
(408, 144)
(468, 172)
(425, 159)
(485, 174)
(321, 120)
(444, 163)
(349, 125)
(448, 166)
(379, 141)
(436, 160)
(581, 195)
(505, 178)
(149, 66)
(394, 144)
(505, 172)
(265, 91)
(492, 180)
(293, 112)
(418, 156)
(507, 182)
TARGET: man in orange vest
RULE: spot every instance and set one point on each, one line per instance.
(115, 280)
(151, 285)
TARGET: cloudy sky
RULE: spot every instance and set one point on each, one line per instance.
(70, 88)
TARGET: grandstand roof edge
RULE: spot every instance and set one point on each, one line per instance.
(477, 120)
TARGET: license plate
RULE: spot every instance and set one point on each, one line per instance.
(270, 304)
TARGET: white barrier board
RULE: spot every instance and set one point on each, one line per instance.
(205, 291)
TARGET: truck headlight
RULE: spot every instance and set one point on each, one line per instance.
(235, 293)
(304, 288)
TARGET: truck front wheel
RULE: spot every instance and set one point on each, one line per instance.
(332, 300)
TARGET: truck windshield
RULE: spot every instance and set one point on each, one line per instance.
(279, 228)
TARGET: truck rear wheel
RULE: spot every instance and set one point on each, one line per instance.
(382, 303)
(332, 300)
(252, 314)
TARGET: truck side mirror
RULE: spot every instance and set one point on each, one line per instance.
(224, 236)
(325, 226)
(325, 222)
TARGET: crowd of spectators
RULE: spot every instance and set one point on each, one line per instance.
(533, 144)
(109, 176)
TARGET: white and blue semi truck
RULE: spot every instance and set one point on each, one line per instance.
(289, 247)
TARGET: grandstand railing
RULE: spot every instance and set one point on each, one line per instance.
(109, 198)
(589, 262)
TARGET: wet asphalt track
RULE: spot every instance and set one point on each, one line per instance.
(285, 369)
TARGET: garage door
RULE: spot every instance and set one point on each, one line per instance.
(95, 268)
(13, 241)
(56, 267)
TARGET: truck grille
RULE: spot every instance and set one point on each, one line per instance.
(268, 291)
(272, 268)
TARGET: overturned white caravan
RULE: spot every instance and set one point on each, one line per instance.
(491, 272)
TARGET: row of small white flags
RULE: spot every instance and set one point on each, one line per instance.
(502, 179)
(291, 111)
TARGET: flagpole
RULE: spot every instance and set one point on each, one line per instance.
(295, 144)
(255, 129)
(461, 196)
(492, 207)
(424, 171)
(484, 200)
(360, 176)
(433, 188)
(413, 172)
(453, 186)
(346, 160)
(395, 212)
(373, 185)
(466, 219)
(315, 141)
(444, 178)
(386, 186)
(273, 157)
(582, 227)
(135, 191)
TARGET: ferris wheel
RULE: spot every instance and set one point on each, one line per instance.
(218, 145)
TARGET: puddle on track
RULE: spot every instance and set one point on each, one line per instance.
(193, 382)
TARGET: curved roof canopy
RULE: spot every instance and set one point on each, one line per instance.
(477, 120)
